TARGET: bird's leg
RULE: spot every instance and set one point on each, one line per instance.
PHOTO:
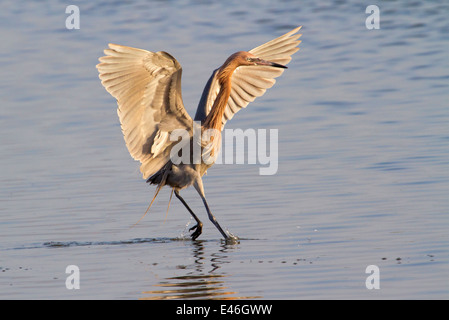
(199, 187)
(214, 221)
(199, 225)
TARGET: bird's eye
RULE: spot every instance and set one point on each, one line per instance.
(249, 59)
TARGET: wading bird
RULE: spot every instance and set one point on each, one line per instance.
(147, 86)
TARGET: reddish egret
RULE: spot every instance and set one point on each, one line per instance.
(147, 86)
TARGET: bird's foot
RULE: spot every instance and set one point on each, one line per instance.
(231, 239)
(198, 230)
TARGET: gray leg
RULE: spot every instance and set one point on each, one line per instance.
(199, 187)
(199, 225)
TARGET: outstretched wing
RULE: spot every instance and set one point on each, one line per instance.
(250, 82)
(147, 86)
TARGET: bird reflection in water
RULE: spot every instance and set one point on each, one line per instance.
(198, 282)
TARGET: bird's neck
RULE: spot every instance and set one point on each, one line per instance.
(214, 119)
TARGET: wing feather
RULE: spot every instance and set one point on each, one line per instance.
(147, 86)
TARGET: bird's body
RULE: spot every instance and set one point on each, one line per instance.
(147, 87)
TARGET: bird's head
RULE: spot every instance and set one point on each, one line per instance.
(243, 58)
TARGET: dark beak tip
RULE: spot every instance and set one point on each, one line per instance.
(277, 65)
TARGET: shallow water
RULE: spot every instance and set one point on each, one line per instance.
(362, 178)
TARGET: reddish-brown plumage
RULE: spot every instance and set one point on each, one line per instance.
(238, 59)
(214, 118)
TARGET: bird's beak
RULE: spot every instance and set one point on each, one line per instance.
(270, 64)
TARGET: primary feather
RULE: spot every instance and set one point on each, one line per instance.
(147, 86)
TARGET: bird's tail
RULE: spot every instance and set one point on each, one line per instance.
(161, 176)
